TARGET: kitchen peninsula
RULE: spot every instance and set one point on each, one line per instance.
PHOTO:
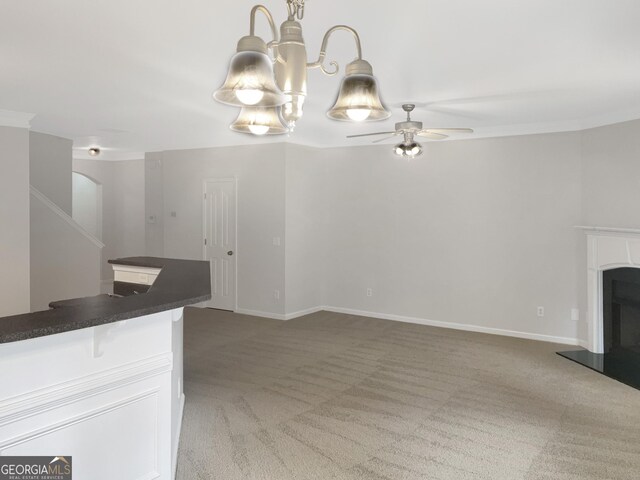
(100, 378)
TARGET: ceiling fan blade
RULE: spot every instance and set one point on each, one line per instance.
(370, 134)
(448, 130)
(384, 138)
(431, 135)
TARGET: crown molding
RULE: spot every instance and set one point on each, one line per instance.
(9, 118)
(107, 155)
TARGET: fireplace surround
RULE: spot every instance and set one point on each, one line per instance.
(607, 249)
(613, 289)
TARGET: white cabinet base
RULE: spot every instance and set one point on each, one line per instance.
(110, 396)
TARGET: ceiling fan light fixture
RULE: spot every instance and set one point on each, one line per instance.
(359, 98)
(408, 150)
(250, 79)
(259, 121)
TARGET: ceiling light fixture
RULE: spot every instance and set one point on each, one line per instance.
(259, 121)
(94, 151)
(409, 148)
(255, 82)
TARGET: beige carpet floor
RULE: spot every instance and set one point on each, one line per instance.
(333, 396)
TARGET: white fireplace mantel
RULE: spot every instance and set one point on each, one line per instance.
(607, 248)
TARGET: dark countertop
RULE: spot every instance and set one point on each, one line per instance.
(180, 283)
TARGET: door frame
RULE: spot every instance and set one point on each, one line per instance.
(233, 179)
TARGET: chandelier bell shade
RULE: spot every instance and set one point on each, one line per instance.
(274, 74)
(259, 121)
(359, 98)
(250, 80)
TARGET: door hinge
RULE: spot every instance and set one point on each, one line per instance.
(205, 196)
(205, 241)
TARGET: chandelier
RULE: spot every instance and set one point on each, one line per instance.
(271, 90)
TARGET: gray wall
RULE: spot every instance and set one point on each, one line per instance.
(154, 228)
(307, 219)
(14, 218)
(123, 200)
(476, 232)
(50, 168)
(260, 171)
(65, 262)
(611, 175)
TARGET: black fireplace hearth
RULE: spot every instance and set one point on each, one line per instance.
(621, 316)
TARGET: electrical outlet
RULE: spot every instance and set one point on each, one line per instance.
(276, 294)
(369, 292)
(276, 241)
(541, 311)
(575, 314)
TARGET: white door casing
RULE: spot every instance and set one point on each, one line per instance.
(219, 240)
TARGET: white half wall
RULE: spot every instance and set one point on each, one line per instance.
(14, 221)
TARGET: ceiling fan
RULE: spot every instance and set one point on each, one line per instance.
(409, 129)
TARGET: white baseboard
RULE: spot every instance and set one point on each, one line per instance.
(584, 344)
(420, 321)
(176, 441)
(456, 326)
(302, 313)
(280, 316)
(258, 313)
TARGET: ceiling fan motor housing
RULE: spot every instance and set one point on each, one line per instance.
(409, 125)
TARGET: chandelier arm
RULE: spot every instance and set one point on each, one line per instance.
(272, 24)
(323, 49)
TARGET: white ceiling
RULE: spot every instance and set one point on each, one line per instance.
(135, 76)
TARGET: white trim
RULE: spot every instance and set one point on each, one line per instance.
(176, 440)
(607, 231)
(457, 326)
(258, 313)
(416, 320)
(584, 344)
(95, 413)
(38, 401)
(280, 316)
(64, 216)
(607, 248)
(9, 118)
(302, 313)
(106, 155)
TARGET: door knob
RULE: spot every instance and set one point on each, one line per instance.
(230, 252)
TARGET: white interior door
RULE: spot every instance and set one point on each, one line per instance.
(220, 240)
